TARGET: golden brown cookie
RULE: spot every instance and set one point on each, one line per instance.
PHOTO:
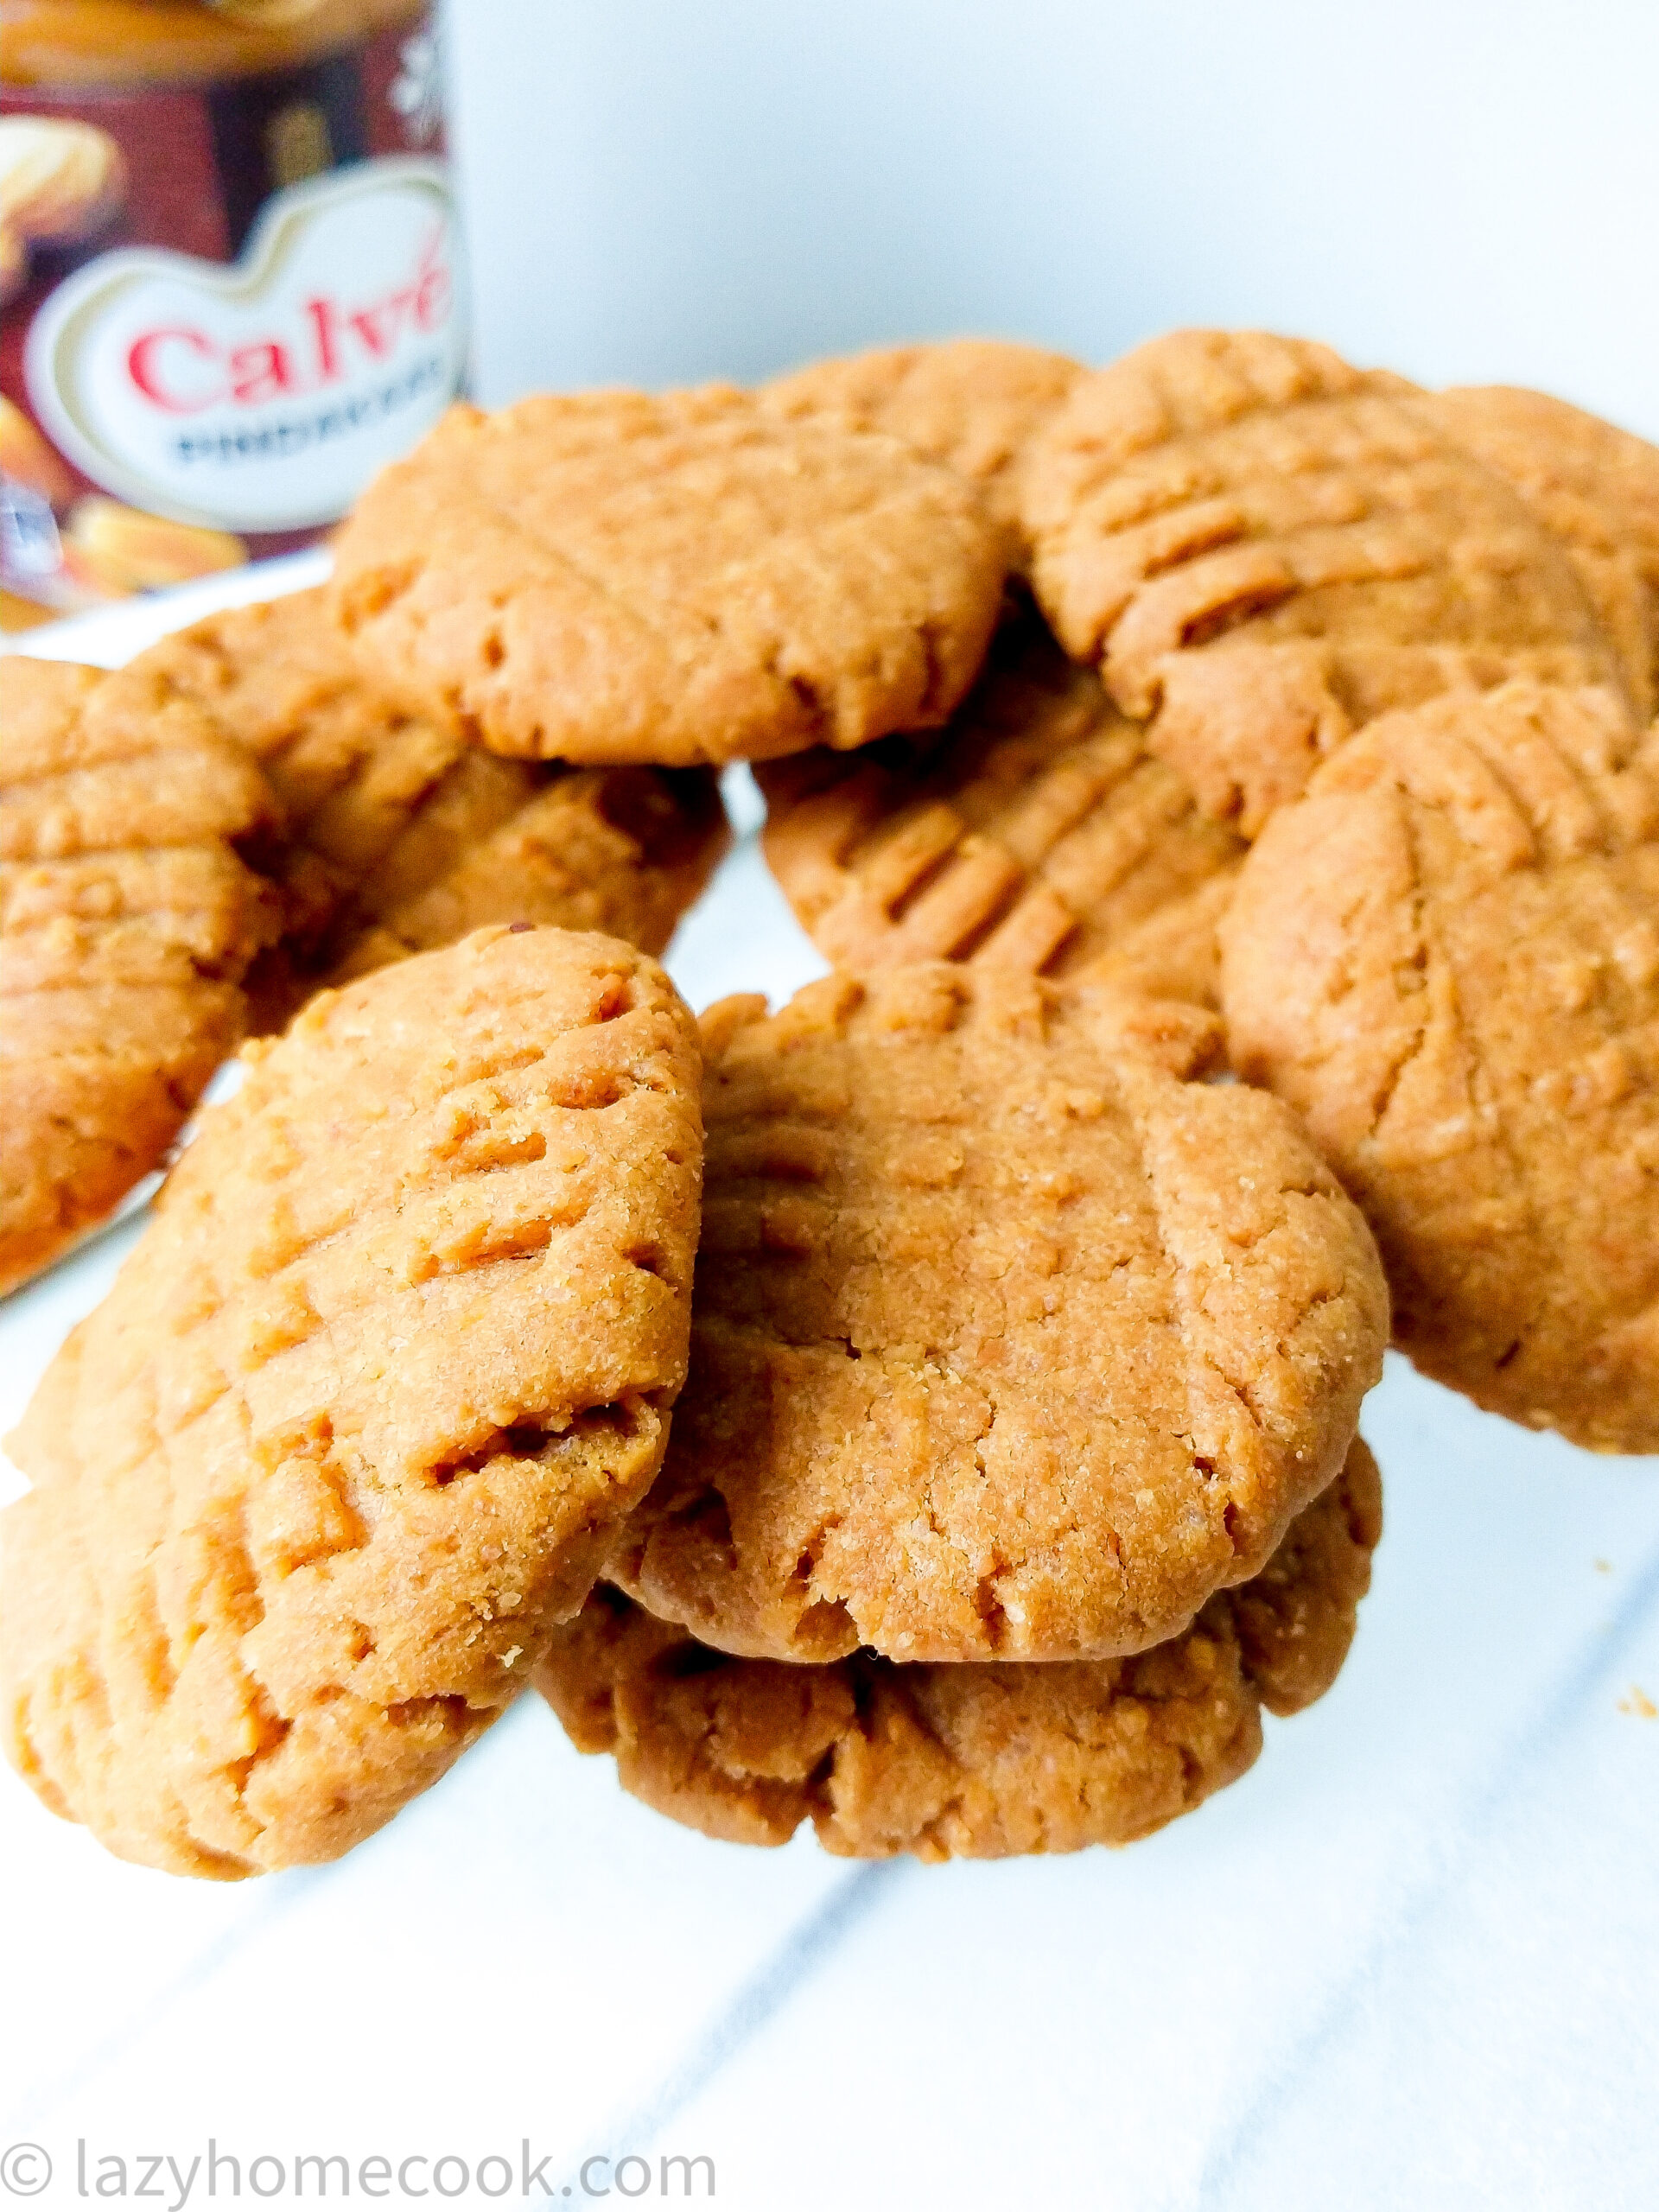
(1035, 832)
(622, 850)
(973, 403)
(968, 1762)
(127, 921)
(1009, 1344)
(688, 578)
(1446, 956)
(1262, 548)
(400, 836)
(353, 1428)
(1595, 487)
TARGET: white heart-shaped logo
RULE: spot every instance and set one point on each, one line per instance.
(263, 396)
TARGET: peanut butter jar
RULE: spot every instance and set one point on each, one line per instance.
(230, 288)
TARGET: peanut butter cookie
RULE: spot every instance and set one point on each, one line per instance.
(968, 1762)
(973, 403)
(1595, 488)
(127, 922)
(1262, 547)
(1035, 832)
(1446, 956)
(1009, 1344)
(614, 577)
(352, 1429)
(401, 838)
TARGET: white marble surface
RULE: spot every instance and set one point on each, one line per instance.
(1411, 1959)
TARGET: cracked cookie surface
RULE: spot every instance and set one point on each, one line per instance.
(983, 1762)
(973, 403)
(353, 1427)
(1595, 487)
(1446, 956)
(400, 837)
(679, 579)
(1035, 832)
(127, 922)
(1262, 548)
(1009, 1344)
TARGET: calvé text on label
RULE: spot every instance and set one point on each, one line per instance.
(184, 368)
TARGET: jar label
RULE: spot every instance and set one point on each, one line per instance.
(261, 395)
(225, 303)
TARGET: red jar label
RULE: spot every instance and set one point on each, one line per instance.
(234, 304)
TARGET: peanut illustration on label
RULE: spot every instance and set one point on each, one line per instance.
(61, 181)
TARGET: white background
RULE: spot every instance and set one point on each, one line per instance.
(664, 190)
(1412, 1959)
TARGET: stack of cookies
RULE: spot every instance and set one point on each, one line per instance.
(1224, 785)
(195, 844)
